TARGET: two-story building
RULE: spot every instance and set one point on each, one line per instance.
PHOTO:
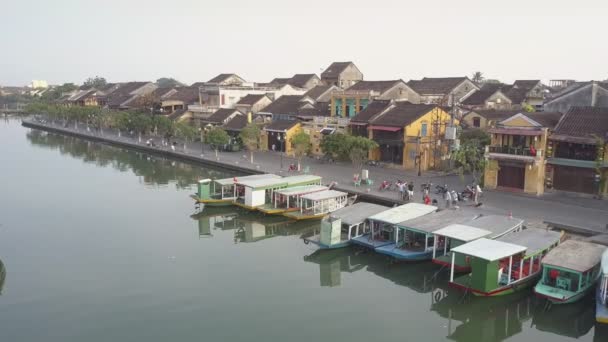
(516, 155)
(490, 96)
(341, 74)
(443, 90)
(577, 155)
(348, 103)
(252, 103)
(579, 94)
(304, 81)
(485, 119)
(127, 95)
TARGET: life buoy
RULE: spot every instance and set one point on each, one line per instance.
(437, 296)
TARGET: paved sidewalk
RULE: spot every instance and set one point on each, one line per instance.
(574, 210)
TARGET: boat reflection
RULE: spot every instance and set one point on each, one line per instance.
(333, 262)
(2, 276)
(499, 318)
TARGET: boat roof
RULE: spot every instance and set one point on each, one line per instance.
(535, 240)
(262, 183)
(605, 262)
(489, 249)
(323, 195)
(463, 232)
(231, 180)
(403, 213)
(298, 190)
(301, 179)
(358, 212)
(497, 224)
(575, 255)
(437, 220)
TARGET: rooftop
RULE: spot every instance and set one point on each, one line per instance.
(300, 80)
(286, 104)
(316, 92)
(323, 195)
(535, 240)
(435, 86)
(299, 190)
(574, 255)
(489, 249)
(375, 86)
(497, 224)
(184, 94)
(402, 114)
(373, 108)
(237, 123)
(221, 114)
(462, 232)
(280, 125)
(232, 180)
(403, 213)
(437, 220)
(335, 69)
(358, 212)
(250, 99)
(584, 122)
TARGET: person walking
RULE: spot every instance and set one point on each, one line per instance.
(410, 190)
(401, 186)
(448, 199)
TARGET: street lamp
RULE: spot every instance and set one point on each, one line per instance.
(419, 156)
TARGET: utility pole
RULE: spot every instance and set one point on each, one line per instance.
(451, 141)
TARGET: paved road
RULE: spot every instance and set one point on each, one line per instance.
(564, 208)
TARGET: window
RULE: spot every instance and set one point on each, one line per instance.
(223, 99)
(423, 129)
(476, 122)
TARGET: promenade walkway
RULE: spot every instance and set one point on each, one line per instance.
(570, 210)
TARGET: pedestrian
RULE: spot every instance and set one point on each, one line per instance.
(401, 186)
(173, 147)
(427, 199)
(448, 199)
(410, 190)
(274, 147)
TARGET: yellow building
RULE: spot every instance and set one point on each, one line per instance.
(516, 155)
(485, 119)
(412, 136)
(278, 135)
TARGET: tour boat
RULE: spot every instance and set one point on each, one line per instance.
(570, 271)
(342, 225)
(222, 192)
(414, 238)
(382, 225)
(317, 205)
(504, 265)
(601, 306)
(454, 235)
(252, 194)
(289, 199)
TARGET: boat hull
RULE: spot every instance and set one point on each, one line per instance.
(300, 217)
(315, 240)
(403, 254)
(212, 202)
(553, 296)
(601, 310)
(365, 241)
(503, 290)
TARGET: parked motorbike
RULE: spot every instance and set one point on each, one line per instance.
(441, 189)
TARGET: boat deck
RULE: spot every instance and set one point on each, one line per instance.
(296, 215)
(270, 209)
(316, 240)
(365, 241)
(358, 212)
(402, 253)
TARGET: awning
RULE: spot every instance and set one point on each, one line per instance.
(515, 131)
(386, 128)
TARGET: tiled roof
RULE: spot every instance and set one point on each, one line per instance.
(159, 93)
(402, 114)
(300, 80)
(177, 114)
(495, 115)
(184, 94)
(584, 122)
(320, 109)
(377, 86)
(316, 92)
(250, 99)
(335, 69)
(129, 87)
(286, 104)
(236, 124)
(525, 84)
(479, 97)
(547, 119)
(373, 108)
(279, 81)
(439, 86)
(517, 95)
(220, 115)
(197, 84)
(220, 78)
(280, 125)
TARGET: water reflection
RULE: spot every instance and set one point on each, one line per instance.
(248, 226)
(2, 276)
(153, 170)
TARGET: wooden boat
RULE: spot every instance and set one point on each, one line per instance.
(252, 194)
(601, 302)
(570, 271)
(415, 238)
(289, 199)
(382, 225)
(318, 204)
(222, 192)
(342, 225)
(504, 265)
(490, 227)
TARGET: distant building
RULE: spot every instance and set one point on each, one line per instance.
(36, 84)
(341, 74)
(304, 81)
(348, 103)
(443, 90)
(580, 94)
(128, 95)
(252, 103)
(486, 118)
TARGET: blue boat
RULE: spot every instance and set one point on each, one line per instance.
(382, 225)
(414, 238)
(344, 224)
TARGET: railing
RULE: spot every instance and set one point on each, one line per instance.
(515, 150)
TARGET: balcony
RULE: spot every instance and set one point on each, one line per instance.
(514, 153)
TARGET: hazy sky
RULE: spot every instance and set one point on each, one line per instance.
(193, 40)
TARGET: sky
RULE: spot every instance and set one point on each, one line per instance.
(193, 40)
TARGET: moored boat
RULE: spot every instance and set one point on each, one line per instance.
(570, 271)
(382, 225)
(342, 225)
(318, 204)
(414, 241)
(504, 265)
(289, 199)
(452, 236)
(252, 194)
(222, 192)
(601, 306)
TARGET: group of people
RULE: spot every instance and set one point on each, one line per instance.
(406, 190)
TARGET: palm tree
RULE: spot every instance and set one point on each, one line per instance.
(477, 77)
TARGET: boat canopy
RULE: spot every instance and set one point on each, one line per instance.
(497, 224)
(463, 232)
(403, 213)
(432, 222)
(232, 180)
(300, 190)
(535, 240)
(260, 184)
(605, 263)
(489, 250)
(324, 195)
(203, 181)
(578, 256)
(358, 212)
(302, 180)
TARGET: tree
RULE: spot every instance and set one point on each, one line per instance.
(358, 150)
(95, 82)
(477, 77)
(335, 146)
(168, 82)
(250, 136)
(301, 145)
(470, 158)
(185, 131)
(217, 137)
(528, 108)
(58, 91)
(601, 177)
(475, 134)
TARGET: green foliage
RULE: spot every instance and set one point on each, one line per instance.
(163, 126)
(475, 134)
(600, 144)
(217, 137)
(470, 158)
(95, 82)
(250, 136)
(166, 82)
(301, 144)
(335, 146)
(58, 91)
(348, 147)
(528, 108)
(477, 77)
(185, 131)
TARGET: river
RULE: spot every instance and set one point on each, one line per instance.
(99, 243)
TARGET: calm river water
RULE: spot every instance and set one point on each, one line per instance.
(98, 244)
